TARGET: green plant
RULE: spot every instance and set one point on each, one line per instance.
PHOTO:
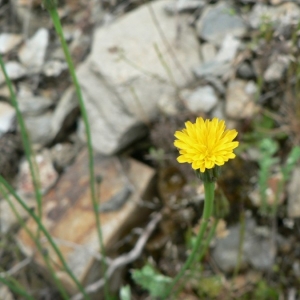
(155, 283)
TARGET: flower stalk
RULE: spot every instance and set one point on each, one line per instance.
(209, 187)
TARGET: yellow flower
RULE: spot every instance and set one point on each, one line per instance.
(205, 144)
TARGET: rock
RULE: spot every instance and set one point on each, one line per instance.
(216, 83)
(54, 68)
(68, 215)
(30, 17)
(31, 105)
(47, 175)
(213, 68)
(240, 99)
(276, 69)
(32, 53)
(245, 71)
(14, 71)
(8, 218)
(258, 248)
(5, 293)
(7, 117)
(278, 17)
(208, 52)
(228, 49)
(217, 21)
(127, 68)
(9, 41)
(183, 6)
(62, 155)
(218, 111)
(203, 99)
(293, 190)
(5, 93)
(39, 128)
(65, 113)
(168, 104)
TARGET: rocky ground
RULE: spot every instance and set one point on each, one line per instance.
(144, 70)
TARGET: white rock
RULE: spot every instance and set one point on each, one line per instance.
(47, 175)
(32, 53)
(14, 71)
(39, 128)
(276, 69)
(240, 99)
(208, 52)
(282, 15)
(228, 49)
(217, 21)
(125, 73)
(203, 99)
(53, 68)
(9, 41)
(183, 6)
(30, 104)
(5, 293)
(7, 117)
(212, 68)
(168, 104)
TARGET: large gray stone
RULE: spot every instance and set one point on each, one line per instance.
(258, 248)
(217, 21)
(129, 68)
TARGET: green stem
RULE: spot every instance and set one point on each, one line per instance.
(25, 141)
(16, 289)
(37, 242)
(57, 24)
(202, 251)
(47, 235)
(209, 188)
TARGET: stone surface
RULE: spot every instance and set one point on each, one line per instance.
(7, 216)
(7, 117)
(212, 68)
(54, 68)
(125, 75)
(14, 71)
(276, 69)
(240, 99)
(63, 154)
(203, 99)
(228, 49)
(69, 216)
(217, 21)
(9, 41)
(258, 248)
(39, 128)
(293, 208)
(279, 16)
(32, 53)
(168, 104)
(32, 105)
(46, 171)
(208, 52)
(245, 71)
(183, 6)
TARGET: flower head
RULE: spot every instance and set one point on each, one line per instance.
(205, 144)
